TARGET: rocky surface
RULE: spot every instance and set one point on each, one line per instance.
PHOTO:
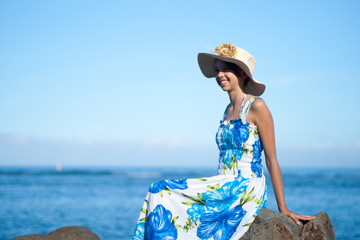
(64, 233)
(272, 225)
(268, 224)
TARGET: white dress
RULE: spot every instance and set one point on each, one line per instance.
(217, 207)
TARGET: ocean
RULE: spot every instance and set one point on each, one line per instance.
(108, 200)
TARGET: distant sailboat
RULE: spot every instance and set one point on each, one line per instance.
(58, 167)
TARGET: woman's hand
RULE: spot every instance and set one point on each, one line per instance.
(296, 217)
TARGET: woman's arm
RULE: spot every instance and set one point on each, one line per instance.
(263, 120)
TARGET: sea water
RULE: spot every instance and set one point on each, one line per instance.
(108, 200)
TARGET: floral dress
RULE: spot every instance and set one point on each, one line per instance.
(217, 207)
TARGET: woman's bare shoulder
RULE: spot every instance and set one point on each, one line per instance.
(258, 112)
(259, 105)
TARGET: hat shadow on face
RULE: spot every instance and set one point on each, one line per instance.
(243, 60)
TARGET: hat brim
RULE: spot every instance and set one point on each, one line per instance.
(207, 66)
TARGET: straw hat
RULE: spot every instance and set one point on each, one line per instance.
(230, 53)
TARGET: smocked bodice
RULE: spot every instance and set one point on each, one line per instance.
(239, 144)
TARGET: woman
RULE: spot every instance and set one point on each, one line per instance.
(222, 206)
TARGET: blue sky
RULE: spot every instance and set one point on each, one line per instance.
(117, 82)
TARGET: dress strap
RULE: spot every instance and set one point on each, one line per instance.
(246, 108)
(241, 107)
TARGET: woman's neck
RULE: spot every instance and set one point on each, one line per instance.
(236, 98)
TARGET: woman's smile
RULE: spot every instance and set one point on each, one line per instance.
(223, 82)
(225, 76)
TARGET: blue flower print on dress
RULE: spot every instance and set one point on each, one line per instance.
(225, 196)
(255, 163)
(256, 168)
(170, 183)
(159, 225)
(241, 133)
(223, 158)
(196, 211)
(226, 137)
(257, 148)
(226, 157)
(239, 177)
(139, 231)
(220, 225)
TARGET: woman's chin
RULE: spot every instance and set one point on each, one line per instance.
(225, 88)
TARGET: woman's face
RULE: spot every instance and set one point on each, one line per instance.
(225, 76)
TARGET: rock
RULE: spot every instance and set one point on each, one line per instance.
(270, 225)
(64, 233)
(319, 228)
(32, 237)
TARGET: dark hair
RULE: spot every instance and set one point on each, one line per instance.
(237, 70)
